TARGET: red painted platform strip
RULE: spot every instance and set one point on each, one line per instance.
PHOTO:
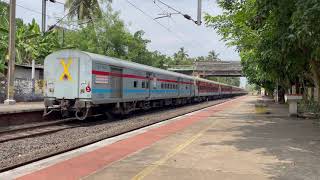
(90, 162)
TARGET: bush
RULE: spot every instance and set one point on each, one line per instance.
(309, 106)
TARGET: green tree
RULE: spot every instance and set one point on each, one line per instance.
(85, 9)
(110, 37)
(213, 56)
(30, 44)
(269, 34)
(305, 36)
(234, 81)
(4, 15)
(107, 35)
(181, 57)
(200, 58)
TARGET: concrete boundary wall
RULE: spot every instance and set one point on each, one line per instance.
(25, 90)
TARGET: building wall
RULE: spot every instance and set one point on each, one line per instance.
(25, 73)
(25, 89)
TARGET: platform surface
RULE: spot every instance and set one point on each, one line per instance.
(21, 107)
(232, 141)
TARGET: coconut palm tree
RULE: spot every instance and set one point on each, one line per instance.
(83, 9)
(213, 56)
(181, 57)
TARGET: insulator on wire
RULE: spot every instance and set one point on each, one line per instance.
(187, 16)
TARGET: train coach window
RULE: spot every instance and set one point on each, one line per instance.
(162, 85)
(147, 85)
(143, 84)
(135, 84)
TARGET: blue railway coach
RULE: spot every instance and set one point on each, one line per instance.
(82, 83)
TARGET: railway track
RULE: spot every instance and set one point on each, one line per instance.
(36, 130)
(42, 130)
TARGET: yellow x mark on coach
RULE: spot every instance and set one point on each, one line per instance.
(66, 74)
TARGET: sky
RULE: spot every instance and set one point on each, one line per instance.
(172, 34)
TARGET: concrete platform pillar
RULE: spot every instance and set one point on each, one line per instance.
(316, 95)
(309, 93)
(293, 108)
(292, 100)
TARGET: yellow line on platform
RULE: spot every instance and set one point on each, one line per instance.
(149, 169)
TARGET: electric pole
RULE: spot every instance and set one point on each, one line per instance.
(44, 13)
(11, 64)
(43, 21)
(199, 12)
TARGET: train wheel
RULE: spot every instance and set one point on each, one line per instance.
(82, 114)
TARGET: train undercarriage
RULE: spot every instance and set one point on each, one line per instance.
(81, 109)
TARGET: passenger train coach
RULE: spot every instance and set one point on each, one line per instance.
(80, 83)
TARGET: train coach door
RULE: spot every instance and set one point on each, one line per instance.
(195, 88)
(116, 82)
(179, 86)
(190, 88)
(149, 84)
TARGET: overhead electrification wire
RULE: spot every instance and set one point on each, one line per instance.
(170, 7)
(31, 10)
(58, 19)
(164, 11)
(66, 15)
(177, 11)
(150, 17)
(133, 5)
(49, 16)
(59, 2)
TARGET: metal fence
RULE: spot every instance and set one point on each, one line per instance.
(25, 90)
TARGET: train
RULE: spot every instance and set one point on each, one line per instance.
(80, 84)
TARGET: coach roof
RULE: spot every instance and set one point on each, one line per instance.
(117, 62)
(127, 64)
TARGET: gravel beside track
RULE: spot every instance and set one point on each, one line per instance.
(34, 131)
(19, 152)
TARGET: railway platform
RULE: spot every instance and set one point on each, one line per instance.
(21, 107)
(233, 140)
(18, 115)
